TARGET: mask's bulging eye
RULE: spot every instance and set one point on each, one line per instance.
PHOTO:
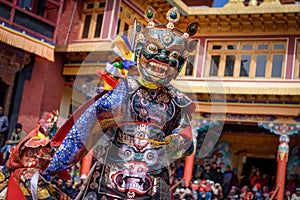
(152, 48)
(174, 54)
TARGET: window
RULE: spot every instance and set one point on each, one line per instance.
(245, 65)
(277, 65)
(261, 63)
(240, 59)
(26, 4)
(297, 63)
(92, 18)
(127, 17)
(214, 65)
(189, 70)
(229, 65)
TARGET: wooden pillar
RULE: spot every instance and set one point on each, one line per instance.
(213, 129)
(284, 131)
(189, 160)
(282, 158)
(188, 168)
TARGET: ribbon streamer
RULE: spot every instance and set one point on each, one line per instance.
(34, 182)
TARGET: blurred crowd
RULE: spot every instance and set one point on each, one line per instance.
(73, 186)
(210, 182)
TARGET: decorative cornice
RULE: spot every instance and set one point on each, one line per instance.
(265, 120)
(239, 87)
(88, 46)
(236, 7)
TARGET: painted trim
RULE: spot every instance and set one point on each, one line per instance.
(134, 7)
(248, 104)
(201, 57)
(25, 34)
(294, 58)
(235, 10)
(290, 58)
(115, 18)
(106, 19)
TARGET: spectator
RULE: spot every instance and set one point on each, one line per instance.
(265, 193)
(248, 196)
(218, 178)
(205, 190)
(252, 172)
(217, 191)
(52, 119)
(296, 195)
(60, 183)
(180, 170)
(297, 181)
(244, 191)
(227, 181)
(265, 179)
(291, 185)
(195, 187)
(199, 173)
(244, 180)
(235, 179)
(182, 192)
(81, 184)
(16, 137)
(272, 183)
(207, 173)
(234, 193)
(69, 190)
(256, 192)
(214, 169)
(256, 178)
(179, 194)
(287, 195)
(4, 126)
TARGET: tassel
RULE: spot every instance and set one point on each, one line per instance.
(27, 43)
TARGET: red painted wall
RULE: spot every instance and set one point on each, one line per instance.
(66, 19)
(42, 93)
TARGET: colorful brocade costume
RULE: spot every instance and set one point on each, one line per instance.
(30, 156)
(135, 147)
(138, 128)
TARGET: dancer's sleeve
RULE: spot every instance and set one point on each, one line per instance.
(75, 139)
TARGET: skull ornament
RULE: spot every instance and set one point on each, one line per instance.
(133, 178)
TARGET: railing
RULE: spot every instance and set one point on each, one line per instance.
(37, 17)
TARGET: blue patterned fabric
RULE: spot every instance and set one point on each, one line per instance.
(78, 134)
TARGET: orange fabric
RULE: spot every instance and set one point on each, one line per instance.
(187, 132)
(86, 163)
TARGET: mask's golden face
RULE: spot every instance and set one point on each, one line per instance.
(161, 56)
